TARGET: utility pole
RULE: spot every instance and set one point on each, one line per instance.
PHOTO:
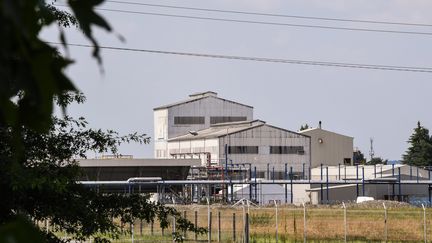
(371, 152)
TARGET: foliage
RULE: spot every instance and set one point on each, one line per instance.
(32, 72)
(38, 170)
(377, 160)
(41, 182)
(420, 151)
(358, 158)
(305, 127)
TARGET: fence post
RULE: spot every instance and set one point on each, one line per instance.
(185, 217)
(247, 228)
(141, 227)
(304, 223)
(219, 226)
(385, 222)
(234, 227)
(424, 223)
(276, 217)
(152, 228)
(345, 222)
(209, 227)
(132, 231)
(196, 225)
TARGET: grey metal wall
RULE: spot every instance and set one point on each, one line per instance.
(264, 137)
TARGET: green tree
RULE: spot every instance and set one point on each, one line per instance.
(38, 171)
(305, 127)
(358, 157)
(420, 151)
(377, 160)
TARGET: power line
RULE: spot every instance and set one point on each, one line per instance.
(271, 14)
(263, 22)
(264, 59)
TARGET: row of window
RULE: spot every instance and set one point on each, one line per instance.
(192, 120)
(273, 150)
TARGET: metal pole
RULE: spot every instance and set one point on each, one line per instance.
(219, 226)
(196, 225)
(345, 172)
(345, 222)
(363, 182)
(210, 227)
(247, 228)
(256, 189)
(424, 223)
(410, 172)
(268, 171)
(399, 182)
(234, 227)
(226, 168)
(418, 175)
(273, 174)
(303, 171)
(322, 191)
(276, 216)
(291, 184)
(357, 185)
(209, 214)
(385, 222)
(327, 186)
(393, 185)
(374, 170)
(286, 186)
(339, 175)
(304, 224)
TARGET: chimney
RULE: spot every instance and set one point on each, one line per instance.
(319, 124)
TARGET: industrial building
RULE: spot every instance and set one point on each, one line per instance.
(197, 112)
(264, 147)
(329, 148)
(377, 181)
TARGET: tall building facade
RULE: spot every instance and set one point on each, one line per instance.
(198, 112)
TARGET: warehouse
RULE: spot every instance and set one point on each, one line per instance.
(197, 112)
(381, 182)
(266, 147)
(329, 148)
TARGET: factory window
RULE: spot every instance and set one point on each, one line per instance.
(286, 150)
(222, 119)
(187, 120)
(243, 149)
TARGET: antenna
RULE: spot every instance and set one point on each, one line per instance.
(371, 152)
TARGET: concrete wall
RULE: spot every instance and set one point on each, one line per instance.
(160, 121)
(264, 137)
(329, 148)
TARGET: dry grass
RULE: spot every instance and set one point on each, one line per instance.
(324, 224)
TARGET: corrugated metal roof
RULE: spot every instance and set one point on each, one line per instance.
(196, 97)
(137, 162)
(223, 129)
(323, 130)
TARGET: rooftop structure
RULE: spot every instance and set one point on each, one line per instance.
(199, 111)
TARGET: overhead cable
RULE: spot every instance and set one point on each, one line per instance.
(264, 59)
(270, 14)
(266, 23)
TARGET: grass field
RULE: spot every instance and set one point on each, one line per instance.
(323, 224)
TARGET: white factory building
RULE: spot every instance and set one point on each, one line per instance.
(199, 111)
(265, 146)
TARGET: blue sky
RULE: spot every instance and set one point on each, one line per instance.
(384, 105)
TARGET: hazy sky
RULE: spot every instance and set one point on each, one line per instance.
(385, 105)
